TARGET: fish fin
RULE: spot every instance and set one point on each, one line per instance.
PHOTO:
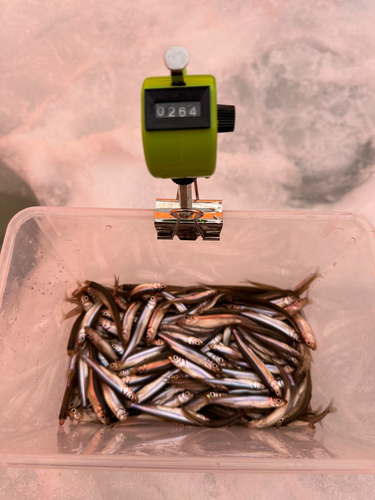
(303, 285)
(331, 408)
(319, 409)
(72, 300)
(74, 312)
(263, 286)
(308, 300)
(116, 285)
(204, 285)
(81, 287)
(311, 413)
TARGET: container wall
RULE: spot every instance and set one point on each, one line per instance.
(47, 250)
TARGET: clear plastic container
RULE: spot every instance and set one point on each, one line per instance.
(45, 252)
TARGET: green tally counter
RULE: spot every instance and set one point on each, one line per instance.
(180, 123)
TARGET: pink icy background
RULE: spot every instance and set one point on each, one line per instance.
(302, 77)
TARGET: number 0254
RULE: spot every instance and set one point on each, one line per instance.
(178, 109)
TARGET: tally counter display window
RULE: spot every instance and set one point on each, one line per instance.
(177, 108)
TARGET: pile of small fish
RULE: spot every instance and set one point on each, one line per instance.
(196, 355)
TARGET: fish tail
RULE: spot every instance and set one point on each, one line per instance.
(331, 408)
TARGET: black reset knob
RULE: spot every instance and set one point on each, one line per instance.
(226, 115)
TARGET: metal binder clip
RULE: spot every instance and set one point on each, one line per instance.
(188, 219)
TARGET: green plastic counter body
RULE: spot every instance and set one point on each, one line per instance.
(175, 154)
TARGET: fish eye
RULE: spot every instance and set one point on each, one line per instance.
(89, 292)
(74, 410)
(187, 393)
(212, 394)
(112, 365)
(162, 287)
(175, 357)
(214, 365)
(197, 342)
(278, 401)
(131, 396)
(308, 342)
(281, 420)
